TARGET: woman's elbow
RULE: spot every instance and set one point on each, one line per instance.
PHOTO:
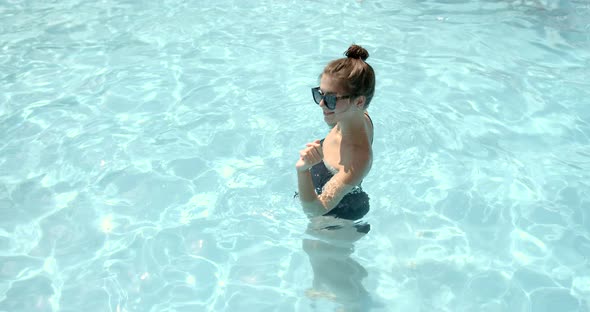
(314, 208)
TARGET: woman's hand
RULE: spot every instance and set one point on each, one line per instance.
(310, 156)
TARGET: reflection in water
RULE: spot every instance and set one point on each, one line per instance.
(337, 277)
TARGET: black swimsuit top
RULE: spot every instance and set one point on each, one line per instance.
(353, 205)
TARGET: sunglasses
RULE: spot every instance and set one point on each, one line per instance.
(329, 99)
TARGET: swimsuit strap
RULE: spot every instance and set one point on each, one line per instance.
(371, 120)
(372, 125)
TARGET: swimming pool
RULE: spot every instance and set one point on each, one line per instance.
(148, 150)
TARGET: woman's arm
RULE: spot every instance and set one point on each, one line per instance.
(307, 195)
(312, 154)
(337, 187)
(332, 193)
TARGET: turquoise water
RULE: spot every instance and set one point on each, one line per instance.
(147, 156)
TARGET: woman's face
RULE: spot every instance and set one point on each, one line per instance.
(328, 85)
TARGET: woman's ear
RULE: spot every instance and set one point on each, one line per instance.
(360, 101)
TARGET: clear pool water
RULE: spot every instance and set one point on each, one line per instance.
(147, 156)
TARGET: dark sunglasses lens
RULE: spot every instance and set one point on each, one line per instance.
(317, 97)
(330, 101)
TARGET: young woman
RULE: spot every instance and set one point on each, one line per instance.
(330, 171)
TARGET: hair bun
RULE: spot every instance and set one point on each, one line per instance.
(357, 52)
